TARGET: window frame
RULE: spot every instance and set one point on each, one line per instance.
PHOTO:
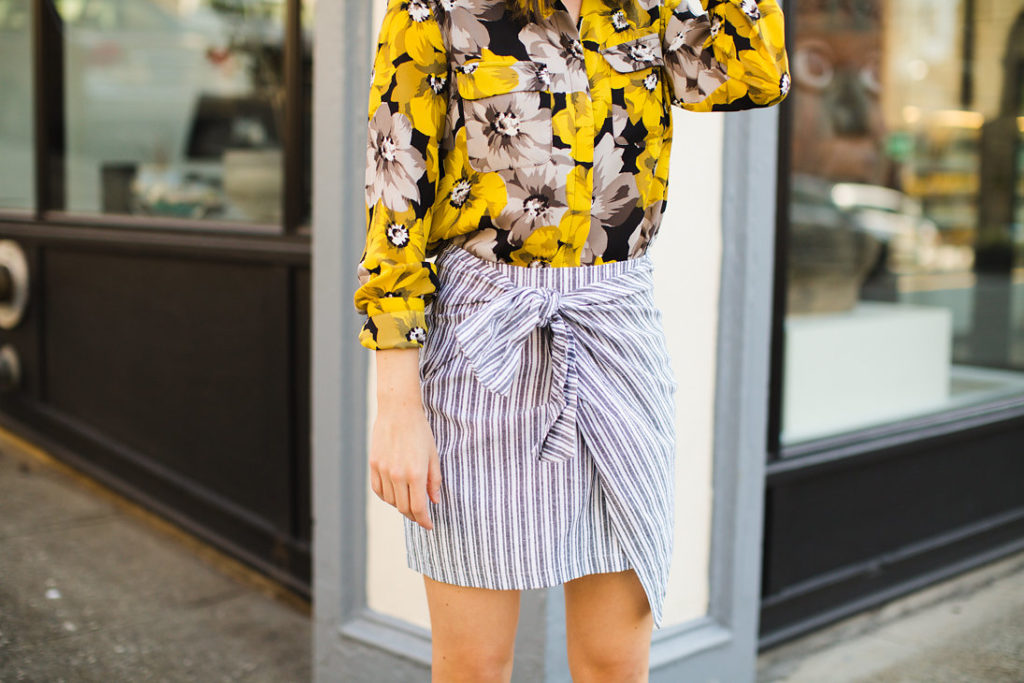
(50, 143)
(940, 426)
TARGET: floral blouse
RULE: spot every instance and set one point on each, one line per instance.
(540, 144)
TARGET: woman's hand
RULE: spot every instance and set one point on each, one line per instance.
(404, 467)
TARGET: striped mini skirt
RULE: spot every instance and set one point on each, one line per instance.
(550, 395)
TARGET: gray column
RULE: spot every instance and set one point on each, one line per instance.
(339, 366)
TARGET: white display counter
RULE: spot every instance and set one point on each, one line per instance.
(877, 362)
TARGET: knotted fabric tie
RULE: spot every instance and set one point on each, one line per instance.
(492, 338)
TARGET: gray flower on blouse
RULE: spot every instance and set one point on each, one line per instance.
(554, 57)
(615, 193)
(644, 235)
(468, 35)
(393, 164)
(536, 199)
(749, 8)
(461, 20)
(686, 56)
(538, 76)
(507, 131)
(418, 10)
(487, 10)
(556, 48)
(482, 242)
(543, 43)
(615, 197)
(572, 52)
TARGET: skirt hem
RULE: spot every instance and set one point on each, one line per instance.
(528, 581)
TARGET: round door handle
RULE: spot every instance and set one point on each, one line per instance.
(10, 368)
(6, 283)
(14, 284)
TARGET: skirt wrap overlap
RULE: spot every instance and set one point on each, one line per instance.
(550, 395)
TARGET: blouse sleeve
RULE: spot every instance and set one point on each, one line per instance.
(724, 55)
(407, 109)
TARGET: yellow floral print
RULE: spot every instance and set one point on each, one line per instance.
(539, 144)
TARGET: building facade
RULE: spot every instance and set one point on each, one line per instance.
(181, 215)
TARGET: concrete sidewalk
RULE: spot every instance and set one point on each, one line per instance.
(95, 589)
(968, 629)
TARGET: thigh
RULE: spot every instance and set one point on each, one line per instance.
(474, 628)
(608, 627)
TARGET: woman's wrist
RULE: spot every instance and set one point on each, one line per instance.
(398, 377)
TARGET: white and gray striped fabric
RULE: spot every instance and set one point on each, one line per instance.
(550, 395)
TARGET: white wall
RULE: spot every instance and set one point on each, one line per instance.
(687, 256)
(391, 587)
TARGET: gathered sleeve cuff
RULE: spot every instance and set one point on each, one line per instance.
(408, 102)
(724, 55)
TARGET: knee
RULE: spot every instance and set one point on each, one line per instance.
(607, 664)
(476, 664)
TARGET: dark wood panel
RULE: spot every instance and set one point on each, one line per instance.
(180, 381)
(844, 537)
(184, 361)
(302, 326)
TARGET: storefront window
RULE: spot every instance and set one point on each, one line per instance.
(906, 207)
(174, 108)
(17, 186)
(308, 10)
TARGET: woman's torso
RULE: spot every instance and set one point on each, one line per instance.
(538, 143)
(556, 135)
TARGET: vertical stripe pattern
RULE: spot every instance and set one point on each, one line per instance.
(550, 395)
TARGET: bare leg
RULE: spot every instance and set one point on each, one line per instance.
(608, 627)
(473, 632)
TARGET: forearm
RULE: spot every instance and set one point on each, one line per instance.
(398, 378)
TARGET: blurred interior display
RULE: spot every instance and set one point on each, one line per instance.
(906, 211)
(167, 103)
(17, 146)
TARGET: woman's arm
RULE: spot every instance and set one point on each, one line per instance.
(724, 55)
(407, 110)
(404, 465)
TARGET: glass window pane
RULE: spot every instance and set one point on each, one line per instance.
(17, 178)
(308, 11)
(906, 256)
(175, 107)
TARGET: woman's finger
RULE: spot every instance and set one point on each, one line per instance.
(418, 503)
(388, 487)
(434, 477)
(402, 496)
(375, 483)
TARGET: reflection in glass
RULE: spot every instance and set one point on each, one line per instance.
(17, 186)
(174, 107)
(906, 277)
(307, 12)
